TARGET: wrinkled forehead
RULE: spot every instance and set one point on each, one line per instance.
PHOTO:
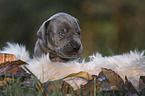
(65, 19)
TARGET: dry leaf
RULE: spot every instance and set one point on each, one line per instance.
(129, 86)
(113, 78)
(84, 75)
(12, 69)
(107, 82)
(58, 85)
(142, 85)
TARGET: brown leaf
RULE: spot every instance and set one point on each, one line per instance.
(142, 84)
(129, 86)
(87, 89)
(131, 89)
(19, 62)
(103, 83)
(113, 78)
(12, 69)
(58, 85)
(107, 82)
(52, 85)
(84, 75)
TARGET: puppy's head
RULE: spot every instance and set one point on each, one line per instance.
(62, 34)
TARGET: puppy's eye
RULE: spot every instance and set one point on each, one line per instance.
(62, 32)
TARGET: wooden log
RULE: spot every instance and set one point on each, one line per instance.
(6, 57)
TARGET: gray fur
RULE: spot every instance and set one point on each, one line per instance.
(60, 37)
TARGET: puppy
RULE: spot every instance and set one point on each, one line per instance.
(60, 37)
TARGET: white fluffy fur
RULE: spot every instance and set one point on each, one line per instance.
(130, 64)
(19, 51)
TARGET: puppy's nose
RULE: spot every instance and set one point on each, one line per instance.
(75, 46)
(76, 49)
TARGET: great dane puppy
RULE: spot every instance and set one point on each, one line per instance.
(60, 37)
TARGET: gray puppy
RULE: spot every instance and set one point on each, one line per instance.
(60, 37)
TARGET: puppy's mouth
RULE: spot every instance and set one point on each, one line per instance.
(70, 50)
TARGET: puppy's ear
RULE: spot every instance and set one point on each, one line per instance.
(39, 34)
(42, 30)
(78, 21)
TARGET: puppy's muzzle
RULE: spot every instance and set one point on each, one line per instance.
(71, 49)
(75, 46)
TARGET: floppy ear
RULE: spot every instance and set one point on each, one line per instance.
(78, 21)
(42, 30)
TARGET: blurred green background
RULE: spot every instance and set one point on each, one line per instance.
(108, 26)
